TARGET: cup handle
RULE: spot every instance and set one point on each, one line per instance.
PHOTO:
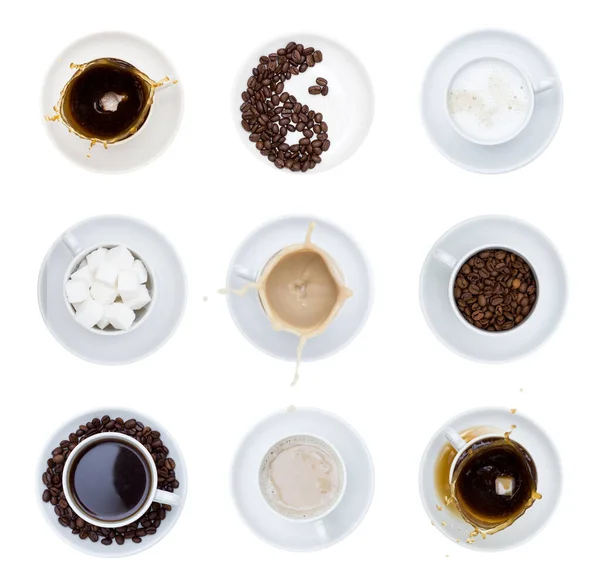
(244, 273)
(544, 85)
(167, 497)
(445, 258)
(321, 530)
(454, 438)
(72, 243)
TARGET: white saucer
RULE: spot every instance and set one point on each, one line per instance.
(114, 550)
(259, 247)
(302, 536)
(533, 438)
(156, 133)
(347, 109)
(531, 142)
(159, 325)
(494, 347)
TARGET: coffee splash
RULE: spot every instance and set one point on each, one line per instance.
(106, 101)
(454, 498)
(301, 291)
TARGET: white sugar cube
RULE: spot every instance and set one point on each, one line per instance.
(103, 322)
(121, 257)
(108, 273)
(128, 284)
(119, 315)
(77, 291)
(103, 293)
(505, 485)
(139, 267)
(96, 258)
(85, 274)
(140, 299)
(89, 313)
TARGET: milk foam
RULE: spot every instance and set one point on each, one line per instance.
(301, 477)
(490, 101)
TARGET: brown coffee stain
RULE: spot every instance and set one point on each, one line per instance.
(446, 492)
(61, 115)
(513, 411)
(301, 291)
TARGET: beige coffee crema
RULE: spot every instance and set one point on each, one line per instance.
(301, 477)
(301, 290)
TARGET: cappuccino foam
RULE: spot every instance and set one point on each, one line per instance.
(301, 477)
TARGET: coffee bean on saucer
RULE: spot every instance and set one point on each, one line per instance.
(148, 523)
(315, 90)
(495, 290)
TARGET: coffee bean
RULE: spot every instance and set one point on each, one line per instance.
(315, 90)
(494, 289)
(136, 540)
(46, 495)
(325, 91)
(318, 55)
(321, 81)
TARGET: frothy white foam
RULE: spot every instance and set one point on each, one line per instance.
(301, 477)
(490, 101)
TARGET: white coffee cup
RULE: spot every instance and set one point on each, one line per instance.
(455, 264)
(80, 254)
(318, 521)
(511, 82)
(154, 494)
(461, 445)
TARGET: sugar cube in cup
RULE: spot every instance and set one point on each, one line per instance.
(107, 288)
(505, 485)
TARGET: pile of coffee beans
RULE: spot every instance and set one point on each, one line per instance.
(495, 290)
(269, 113)
(147, 524)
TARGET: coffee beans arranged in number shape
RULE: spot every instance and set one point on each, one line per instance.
(495, 290)
(269, 113)
(147, 524)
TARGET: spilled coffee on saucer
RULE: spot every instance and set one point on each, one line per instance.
(107, 100)
(494, 482)
(301, 290)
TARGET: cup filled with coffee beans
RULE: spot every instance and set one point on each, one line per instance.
(109, 288)
(490, 479)
(113, 483)
(492, 289)
(302, 478)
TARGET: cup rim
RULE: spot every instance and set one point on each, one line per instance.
(341, 493)
(468, 445)
(512, 136)
(454, 275)
(72, 268)
(73, 504)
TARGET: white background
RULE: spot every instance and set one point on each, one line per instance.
(395, 384)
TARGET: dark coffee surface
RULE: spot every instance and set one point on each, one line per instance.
(82, 99)
(110, 480)
(475, 481)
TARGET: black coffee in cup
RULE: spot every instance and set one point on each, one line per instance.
(110, 480)
(107, 99)
(494, 482)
